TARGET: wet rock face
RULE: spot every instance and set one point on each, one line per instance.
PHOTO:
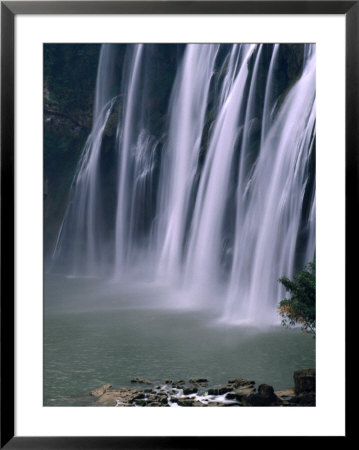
(148, 390)
(233, 385)
(125, 396)
(266, 390)
(264, 397)
(237, 382)
(178, 384)
(199, 382)
(220, 390)
(199, 403)
(304, 399)
(141, 380)
(190, 390)
(241, 392)
(304, 381)
(237, 392)
(185, 402)
(286, 396)
(154, 400)
(99, 391)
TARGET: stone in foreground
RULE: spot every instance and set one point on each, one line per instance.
(264, 397)
(123, 396)
(304, 381)
(99, 391)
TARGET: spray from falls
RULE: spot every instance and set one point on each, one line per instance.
(213, 174)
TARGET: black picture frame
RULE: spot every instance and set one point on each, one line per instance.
(9, 9)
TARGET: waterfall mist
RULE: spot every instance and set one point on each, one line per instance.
(200, 177)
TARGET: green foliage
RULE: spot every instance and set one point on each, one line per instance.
(300, 307)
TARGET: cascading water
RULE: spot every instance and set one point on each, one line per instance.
(270, 205)
(81, 244)
(187, 112)
(212, 186)
(125, 182)
(204, 252)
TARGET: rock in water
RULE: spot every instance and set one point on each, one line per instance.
(198, 380)
(185, 402)
(189, 390)
(220, 390)
(304, 381)
(124, 395)
(202, 382)
(287, 396)
(264, 397)
(237, 382)
(99, 391)
(141, 380)
(305, 399)
(241, 392)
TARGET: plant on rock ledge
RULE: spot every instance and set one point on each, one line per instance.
(300, 307)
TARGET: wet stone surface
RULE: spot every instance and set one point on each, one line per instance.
(196, 393)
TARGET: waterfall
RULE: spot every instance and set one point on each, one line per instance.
(206, 233)
(80, 243)
(269, 221)
(187, 112)
(210, 182)
(125, 183)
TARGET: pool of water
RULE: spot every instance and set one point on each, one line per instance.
(97, 333)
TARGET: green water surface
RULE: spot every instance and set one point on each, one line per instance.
(112, 339)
